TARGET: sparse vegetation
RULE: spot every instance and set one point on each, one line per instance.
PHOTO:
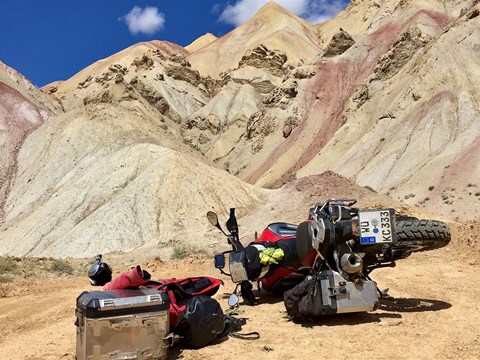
(477, 194)
(8, 265)
(5, 279)
(12, 268)
(61, 267)
(289, 176)
(431, 188)
(409, 196)
(4, 290)
(448, 195)
(424, 200)
(182, 251)
(448, 198)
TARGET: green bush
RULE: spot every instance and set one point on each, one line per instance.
(62, 267)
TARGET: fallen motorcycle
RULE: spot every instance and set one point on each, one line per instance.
(323, 265)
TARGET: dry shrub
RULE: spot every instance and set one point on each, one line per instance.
(8, 265)
(5, 289)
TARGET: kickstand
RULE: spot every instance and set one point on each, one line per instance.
(384, 294)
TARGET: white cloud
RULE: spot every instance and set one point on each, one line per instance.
(147, 21)
(322, 10)
(314, 11)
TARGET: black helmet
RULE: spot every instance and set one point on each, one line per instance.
(100, 273)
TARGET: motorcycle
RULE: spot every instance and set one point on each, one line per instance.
(332, 253)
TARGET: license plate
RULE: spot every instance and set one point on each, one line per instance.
(377, 226)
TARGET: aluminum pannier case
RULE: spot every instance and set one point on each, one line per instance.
(122, 324)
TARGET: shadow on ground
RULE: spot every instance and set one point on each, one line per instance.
(413, 305)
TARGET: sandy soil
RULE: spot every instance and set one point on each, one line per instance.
(434, 315)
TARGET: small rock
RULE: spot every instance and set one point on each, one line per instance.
(340, 43)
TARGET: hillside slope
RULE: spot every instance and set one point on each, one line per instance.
(133, 150)
(103, 179)
(23, 108)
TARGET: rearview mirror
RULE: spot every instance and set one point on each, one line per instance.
(213, 218)
(233, 300)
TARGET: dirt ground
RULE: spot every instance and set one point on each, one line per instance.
(434, 315)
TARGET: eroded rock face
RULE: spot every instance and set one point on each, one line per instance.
(184, 74)
(303, 72)
(401, 53)
(289, 124)
(143, 62)
(103, 96)
(261, 57)
(282, 95)
(341, 42)
(18, 118)
(151, 95)
(260, 125)
(361, 96)
(115, 73)
(179, 59)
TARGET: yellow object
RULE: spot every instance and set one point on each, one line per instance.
(271, 256)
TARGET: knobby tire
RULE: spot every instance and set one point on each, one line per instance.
(422, 235)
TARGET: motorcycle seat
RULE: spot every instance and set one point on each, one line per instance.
(281, 228)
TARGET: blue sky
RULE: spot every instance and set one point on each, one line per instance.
(48, 40)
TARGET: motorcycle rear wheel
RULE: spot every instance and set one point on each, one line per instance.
(416, 235)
